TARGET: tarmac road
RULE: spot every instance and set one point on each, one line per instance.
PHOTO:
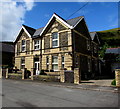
(32, 94)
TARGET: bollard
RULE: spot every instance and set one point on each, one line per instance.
(117, 77)
(77, 77)
(7, 73)
(32, 71)
(23, 73)
(62, 76)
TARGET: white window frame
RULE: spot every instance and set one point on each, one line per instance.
(54, 63)
(63, 62)
(53, 40)
(36, 45)
(22, 64)
(23, 46)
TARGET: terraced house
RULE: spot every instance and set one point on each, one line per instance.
(60, 44)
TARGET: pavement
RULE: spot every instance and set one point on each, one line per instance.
(27, 93)
(96, 85)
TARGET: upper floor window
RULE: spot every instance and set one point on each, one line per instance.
(88, 44)
(55, 39)
(23, 45)
(36, 44)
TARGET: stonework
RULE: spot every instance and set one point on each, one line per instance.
(72, 44)
(117, 76)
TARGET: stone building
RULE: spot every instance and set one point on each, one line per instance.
(60, 44)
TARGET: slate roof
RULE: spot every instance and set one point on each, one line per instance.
(74, 21)
(71, 22)
(113, 50)
(37, 32)
(7, 47)
(30, 30)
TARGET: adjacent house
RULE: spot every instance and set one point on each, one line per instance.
(7, 53)
(60, 44)
(112, 60)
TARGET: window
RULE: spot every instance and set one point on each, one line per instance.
(23, 45)
(89, 62)
(47, 62)
(95, 48)
(36, 44)
(22, 62)
(63, 62)
(88, 44)
(55, 63)
(55, 39)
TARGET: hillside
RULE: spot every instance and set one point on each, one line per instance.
(111, 37)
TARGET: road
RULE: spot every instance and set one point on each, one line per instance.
(32, 94)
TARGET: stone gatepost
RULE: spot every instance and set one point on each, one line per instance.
(23, 73)
(0, 72)
(7, 73)
(117, 77)
(32, 71)
(62, 76)
(77, 77)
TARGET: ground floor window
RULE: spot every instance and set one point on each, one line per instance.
(55, 63)
(22, 62)
(63, 62)
(89, 64)
(47, 62)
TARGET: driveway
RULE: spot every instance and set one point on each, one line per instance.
(34, 94)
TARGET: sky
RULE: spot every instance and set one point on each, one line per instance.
(98, 15)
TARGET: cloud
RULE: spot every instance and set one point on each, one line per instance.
(12, 17)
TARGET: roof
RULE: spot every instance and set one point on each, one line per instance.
(30, 30)
(71, 23)
(37, 32)
(113, 50)
(7, 47)
(74, 21)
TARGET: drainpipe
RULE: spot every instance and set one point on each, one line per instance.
(40, 66)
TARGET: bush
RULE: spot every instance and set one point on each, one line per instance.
(42, 72)
(113, 82)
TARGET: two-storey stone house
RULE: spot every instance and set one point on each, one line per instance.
(60, 44)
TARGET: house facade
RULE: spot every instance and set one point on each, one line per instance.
(60, 44)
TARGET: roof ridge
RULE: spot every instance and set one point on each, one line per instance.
(28, 26)
(75, 18)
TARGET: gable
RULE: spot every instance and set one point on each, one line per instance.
(55, 26)
(22, 35)
(82, 28)
(96, 40)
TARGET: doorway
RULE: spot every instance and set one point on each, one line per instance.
(37, 68)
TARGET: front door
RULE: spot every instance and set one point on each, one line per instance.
(37, 70)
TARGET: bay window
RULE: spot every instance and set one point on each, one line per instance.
(55, 63)
(22, 62)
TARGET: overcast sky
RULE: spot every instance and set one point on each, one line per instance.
(98, 15)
